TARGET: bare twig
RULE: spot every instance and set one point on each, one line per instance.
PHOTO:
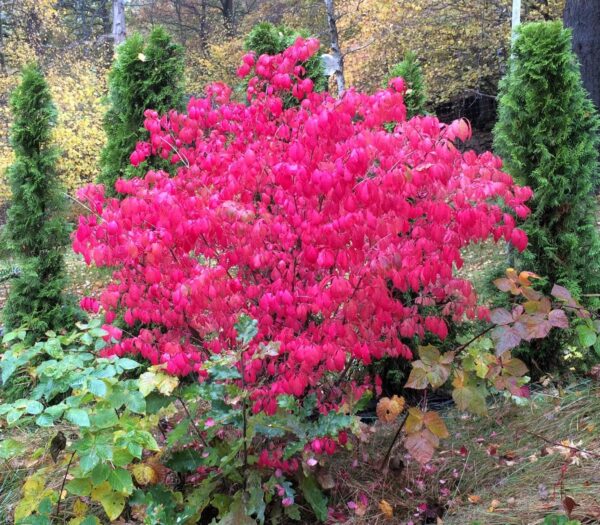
(389, 451)
(62, 486)
(193, 422)
(557, 444)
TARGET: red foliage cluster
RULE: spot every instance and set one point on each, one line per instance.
(339, 237)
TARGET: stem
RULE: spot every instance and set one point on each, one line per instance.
(557, 444)
(244, 423)
(193, 422)
(62, 486)
(389, 451)
(480, 334)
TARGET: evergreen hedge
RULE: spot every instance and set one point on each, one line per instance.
(547, 134)
(268, 39)
(36, 232)
(416, 96)
(145, 75)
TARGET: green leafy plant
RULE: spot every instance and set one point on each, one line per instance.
(560, 519)
(209, 436)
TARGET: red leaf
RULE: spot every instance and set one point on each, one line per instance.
(569, 504)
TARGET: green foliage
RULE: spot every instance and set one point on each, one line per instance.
(547, 134)
(146, 75)
(269, 39)
(116, 456)
(559, 519)
(416, 96)
(36, 231)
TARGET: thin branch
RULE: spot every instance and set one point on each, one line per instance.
(557, 444)
(193, 422)
(62, 486)
(389, 451)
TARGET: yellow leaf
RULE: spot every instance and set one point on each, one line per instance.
(389, 409)
(414, 421)
(112, 502)
(144, 474)
(435, 424)
(386, 509)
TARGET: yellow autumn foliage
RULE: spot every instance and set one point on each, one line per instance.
(77, 83)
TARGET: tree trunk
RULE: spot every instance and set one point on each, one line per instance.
(203, 29)
(118, 24)
(228, 9)
(583, 16)
(335, 46)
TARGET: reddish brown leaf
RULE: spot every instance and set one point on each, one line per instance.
(531, 294)
(421, 446)
(537, 326)
(569, 504)
(558, 319)
(501, 316)
(505, 338)
(503, 284)
(515, 367)
(561, 293)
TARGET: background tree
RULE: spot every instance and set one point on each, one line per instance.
(269, 39)
(547, 134)
(145, 75)
(410, 70)
(119, 29)
(36, 231)
(583, 17)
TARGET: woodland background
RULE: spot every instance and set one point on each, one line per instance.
(463, 46)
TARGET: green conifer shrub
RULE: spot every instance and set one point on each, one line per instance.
(36, 232)
(416, 95)
(547, 134)
(145, 75)
(268, 39)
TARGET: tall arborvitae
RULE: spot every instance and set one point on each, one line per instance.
(145, 75)
(268, 39)
(36, 231)
(410, 70)
(547, 134)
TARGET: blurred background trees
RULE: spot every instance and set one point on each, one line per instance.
(462, 47)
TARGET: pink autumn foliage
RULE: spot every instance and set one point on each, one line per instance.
(340, 238)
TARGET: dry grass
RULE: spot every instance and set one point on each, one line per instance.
(504, 459)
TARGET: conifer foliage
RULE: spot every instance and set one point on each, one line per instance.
(145, 75)
(415, 97)
(268, 39)
(547, 134)
(35, 232)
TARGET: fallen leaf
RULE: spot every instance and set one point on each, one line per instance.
(474, 499)
(386, 509)
(569, 504)
(495, 503)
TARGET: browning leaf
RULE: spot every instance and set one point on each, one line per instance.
(57, 445)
